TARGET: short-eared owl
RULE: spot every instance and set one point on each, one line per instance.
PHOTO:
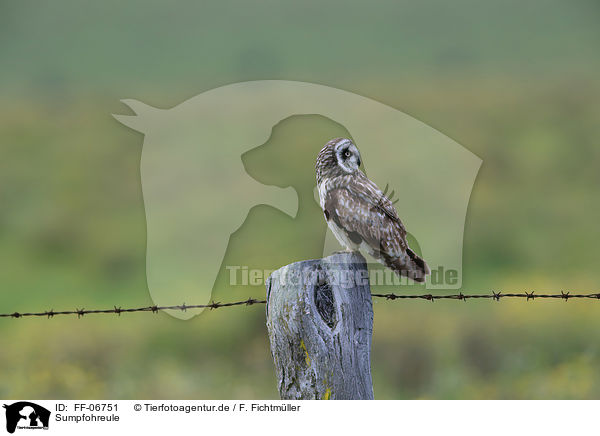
(359, 214)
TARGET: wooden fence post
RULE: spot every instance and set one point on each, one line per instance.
(320, 323)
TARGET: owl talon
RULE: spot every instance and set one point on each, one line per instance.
(346, 251)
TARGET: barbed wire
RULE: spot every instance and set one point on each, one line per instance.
(118, 310)
(497, 296)
(492, 295)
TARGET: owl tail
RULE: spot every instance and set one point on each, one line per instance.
(411, 266)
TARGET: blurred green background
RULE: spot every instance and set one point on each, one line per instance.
(515, 82)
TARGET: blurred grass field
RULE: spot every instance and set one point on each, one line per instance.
(516, 84)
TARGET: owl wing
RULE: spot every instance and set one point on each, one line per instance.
(368, 191)
(359, 208)
(365, 214)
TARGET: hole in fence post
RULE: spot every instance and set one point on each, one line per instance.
(324, 300)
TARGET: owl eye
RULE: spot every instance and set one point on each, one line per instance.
(347, 154)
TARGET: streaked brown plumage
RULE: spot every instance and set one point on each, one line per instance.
(358, 212)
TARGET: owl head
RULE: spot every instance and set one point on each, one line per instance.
(338, 157)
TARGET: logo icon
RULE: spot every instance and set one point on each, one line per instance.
(26, 415)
